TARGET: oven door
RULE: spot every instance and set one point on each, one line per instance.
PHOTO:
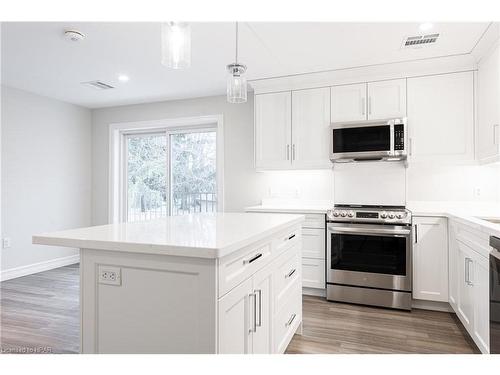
(367, 141)
(369, 255)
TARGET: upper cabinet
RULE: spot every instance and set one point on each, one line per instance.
(310, 128)
(369, 101)
(441, 117)
(273, 130)
(348, 103)
(386, 99)
(488, 132)
(291, 129)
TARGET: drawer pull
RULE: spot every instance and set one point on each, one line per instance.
(248, 261)
(292, 236)
(289, 274)
(290, 321)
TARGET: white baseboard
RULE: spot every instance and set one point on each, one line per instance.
(38, 267)
(314, 292)
(431, 305)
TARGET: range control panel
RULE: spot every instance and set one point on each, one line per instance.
(393, 215)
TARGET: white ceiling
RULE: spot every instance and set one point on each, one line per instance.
(36, 57)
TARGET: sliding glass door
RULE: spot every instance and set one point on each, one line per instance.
(170, 173)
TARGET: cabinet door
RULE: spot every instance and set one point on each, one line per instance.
(387, 99)
(480, 281)
(453, 263)
(273, 118)
(310, 128)
(263, 292)
(465, 309)
(313, 273)
(348, 103)
(313, 243)
(236, 320)
(488, 132)
(430, 259)
(441, 117)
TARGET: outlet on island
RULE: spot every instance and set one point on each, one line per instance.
(110, 275)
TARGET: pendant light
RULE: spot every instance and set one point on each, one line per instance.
(236, 81)
(176, 45)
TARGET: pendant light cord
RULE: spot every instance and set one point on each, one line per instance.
(236, 43)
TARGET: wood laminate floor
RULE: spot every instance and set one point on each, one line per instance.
(41, 313)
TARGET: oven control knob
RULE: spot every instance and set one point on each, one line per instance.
(343, 214)
(391, 215)
(350, 214)
(335, 213)
(400, 216)
(383, 215)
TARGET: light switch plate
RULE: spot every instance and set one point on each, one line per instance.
(110, 275)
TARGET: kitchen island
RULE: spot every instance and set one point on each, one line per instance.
(205, 283)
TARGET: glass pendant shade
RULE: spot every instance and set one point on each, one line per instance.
(176, 45)
(236, 84)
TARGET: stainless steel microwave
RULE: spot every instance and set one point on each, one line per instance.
(369, 140)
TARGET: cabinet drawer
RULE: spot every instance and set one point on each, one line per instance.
(286, 240)
(477, 240)
(313, 273)
(314, 221)
(285, 276)
(313, 243)
(236, 268)
(286, 322)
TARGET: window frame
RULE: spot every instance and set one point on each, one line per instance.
(118, 134)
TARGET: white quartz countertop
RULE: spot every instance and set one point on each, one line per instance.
(292, 206)
(197, 235)
(469, 213)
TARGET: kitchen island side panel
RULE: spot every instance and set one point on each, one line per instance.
(162, 304)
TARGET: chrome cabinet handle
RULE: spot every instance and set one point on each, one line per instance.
(290, 321)
(410, 147)
(290, 274)
(369, 105)
(468, 262)
(363, 106)
(254, 323)
(293, 152)
(259, 324)
(416, 233)
(292, 236)
(287, 152)
(248, 261)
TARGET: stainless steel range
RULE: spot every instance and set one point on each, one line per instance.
(369, 255)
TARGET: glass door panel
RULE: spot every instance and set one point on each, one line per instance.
(146, 176)
(193, 172)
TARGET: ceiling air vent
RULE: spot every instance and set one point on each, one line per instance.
(419, 40)
(98, 85)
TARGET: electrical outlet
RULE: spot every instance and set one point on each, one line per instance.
(110, 275)
(477, 192)
(6, 242)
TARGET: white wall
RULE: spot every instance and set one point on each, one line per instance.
(46, 178)
(242, 185)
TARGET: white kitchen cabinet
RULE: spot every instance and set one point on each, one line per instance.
(441, 117)
(488, 132)
(273, 130)
(235, 316)
(310, 128)
(386, 99)
(264, 303)
(480, 283)
(313, 273)
(453, 265)
(348, 103)
(313, 243)
(465, 291)
(430, 259)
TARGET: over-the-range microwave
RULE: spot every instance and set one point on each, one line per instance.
(369, 140)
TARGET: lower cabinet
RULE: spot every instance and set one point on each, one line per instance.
(313, 273)
(430, 259)
(469, 282)
(262, 313)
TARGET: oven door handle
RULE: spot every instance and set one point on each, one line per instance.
(369, 231)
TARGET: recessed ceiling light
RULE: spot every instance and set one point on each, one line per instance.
(123, 78)
(426, 26)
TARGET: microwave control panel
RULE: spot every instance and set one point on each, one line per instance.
(399, 137)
